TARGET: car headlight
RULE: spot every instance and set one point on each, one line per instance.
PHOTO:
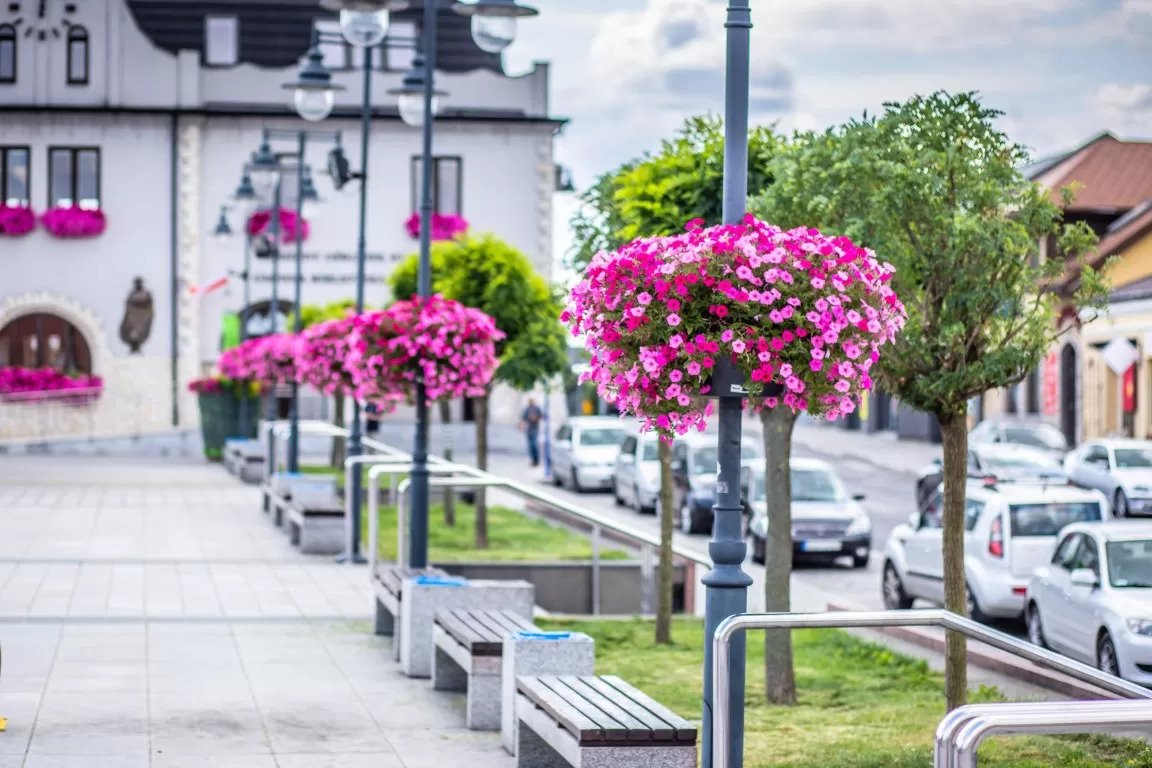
(1140, 626)
(860, 525)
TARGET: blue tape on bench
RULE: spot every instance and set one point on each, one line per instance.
(544, 635)
(440, 581)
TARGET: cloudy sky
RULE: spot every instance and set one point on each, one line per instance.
(626, 72)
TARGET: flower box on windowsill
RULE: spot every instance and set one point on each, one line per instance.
(73, 221)
(16, 220)
(259, 222)
(45, 384)
(444, 226)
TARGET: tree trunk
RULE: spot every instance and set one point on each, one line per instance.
(779, 675)
(449, 495)
(339, 447)
(482, 464)
(664, 580)
(954, 431)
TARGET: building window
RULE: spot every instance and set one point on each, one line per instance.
(74, 177)
(338, 53)
(398, 58)
(77, 56)
(43, 340)
(14, 174)
(7, 53)
(221, 41)
(447, 185)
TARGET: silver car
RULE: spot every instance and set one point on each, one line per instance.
(585, 452)
(636, 476)
(1120, 469)
(1020, 430)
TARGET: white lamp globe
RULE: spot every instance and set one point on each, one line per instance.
(313, 104)
(493, 34)
(364, 28)
(412, 108)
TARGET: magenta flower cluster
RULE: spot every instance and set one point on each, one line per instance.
(45, 383)
(321, 355)
(268, 359)
(445, 226)
(802, 315)
(291, 226)
(451, 348)
(73, 221)
(16, 220)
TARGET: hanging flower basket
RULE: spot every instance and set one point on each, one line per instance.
(46, 384)
(799, 315)
(73, 221)
(16, 220)
(444, 226)
(290, 225)
(452, 348)
(267, 360)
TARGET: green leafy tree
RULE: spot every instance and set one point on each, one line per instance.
(934, 188)
(659, 193)
(486, 273)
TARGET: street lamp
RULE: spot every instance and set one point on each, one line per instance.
(364, 23)
(411, 95)
(494, 21)
(223, 228)
(308, 191)
(264, 168)
(313, 92)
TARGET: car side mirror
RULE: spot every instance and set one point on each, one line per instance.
(938, 461)
(914, 520)
(859, 497)
(1085, 577)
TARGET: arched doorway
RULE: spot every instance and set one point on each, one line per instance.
(1068, 419)
(44, 340)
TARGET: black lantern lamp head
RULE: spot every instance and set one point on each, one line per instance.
(410, 94)
(223, 228)
(313, 92)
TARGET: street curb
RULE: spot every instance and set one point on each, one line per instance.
(994, 661)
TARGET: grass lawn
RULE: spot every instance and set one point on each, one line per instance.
(512, 536)
(861, 705)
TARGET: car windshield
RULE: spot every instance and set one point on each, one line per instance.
(651, 451)
(807, 485)
(1038, 435)
(704, 458)
(1131, 458)
(1047, 519)
(600, 436)
(1130, 563)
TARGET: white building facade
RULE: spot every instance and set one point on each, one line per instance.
(147, 110)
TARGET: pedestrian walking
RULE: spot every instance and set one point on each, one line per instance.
(372, 419)
(530, 424)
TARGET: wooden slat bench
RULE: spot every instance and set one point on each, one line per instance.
(597, 722)
(317, 528)
(386, 582)
(469, 657)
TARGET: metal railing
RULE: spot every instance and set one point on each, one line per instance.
(721, 715)
(960, 735)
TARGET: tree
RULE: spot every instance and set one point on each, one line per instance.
(311, 314)
(936, 190)
(657, 194)
(490, 275)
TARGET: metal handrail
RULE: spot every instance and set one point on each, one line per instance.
(721, 715)
(1049, 717)
(433, 482)
(955, 720)
(281, 430)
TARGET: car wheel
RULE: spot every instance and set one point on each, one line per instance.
(1120, 508)
(861, 562)
(640, 508)
(616, 497)
(895, 598)
(974, 611)
(1106, 658)
(575, 480)
(1035, 627)
(756, 546)
(556, 481)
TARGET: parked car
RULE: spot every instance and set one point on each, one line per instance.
(827, 523)
(1010, 529)
(1017, 430)
(1120, 469)
(1004, 461)
(636, 474)
(585, 451)
(694, 469)
(1093, 601)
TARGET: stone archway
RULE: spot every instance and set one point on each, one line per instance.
(79, 316)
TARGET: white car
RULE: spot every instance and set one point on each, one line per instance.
(585, 451)
(1093, 601)
(636, 475)
(1120, 469)
(1010, 530)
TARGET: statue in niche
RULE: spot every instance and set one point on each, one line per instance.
(137, 322)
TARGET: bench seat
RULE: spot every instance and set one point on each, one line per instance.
(469, 649)
(387, 582)
(597, 722)
(317, 528)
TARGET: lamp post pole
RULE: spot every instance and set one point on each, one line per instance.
(418, 552)
(294, 413)
(274, 310)
(355, 437)
(726, 584)
(244, 325)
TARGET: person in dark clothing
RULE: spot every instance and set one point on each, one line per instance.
(371, 418)
(530, 423)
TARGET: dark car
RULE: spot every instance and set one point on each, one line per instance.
(694, 469)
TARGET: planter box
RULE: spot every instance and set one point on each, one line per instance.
(220, 420)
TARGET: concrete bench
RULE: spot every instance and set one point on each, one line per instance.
(245, 459)
(469, 651)
(308, 490)
(387, 582)
(597, 722)
(317, 528)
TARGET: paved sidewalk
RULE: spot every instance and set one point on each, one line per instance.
(151, 615)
